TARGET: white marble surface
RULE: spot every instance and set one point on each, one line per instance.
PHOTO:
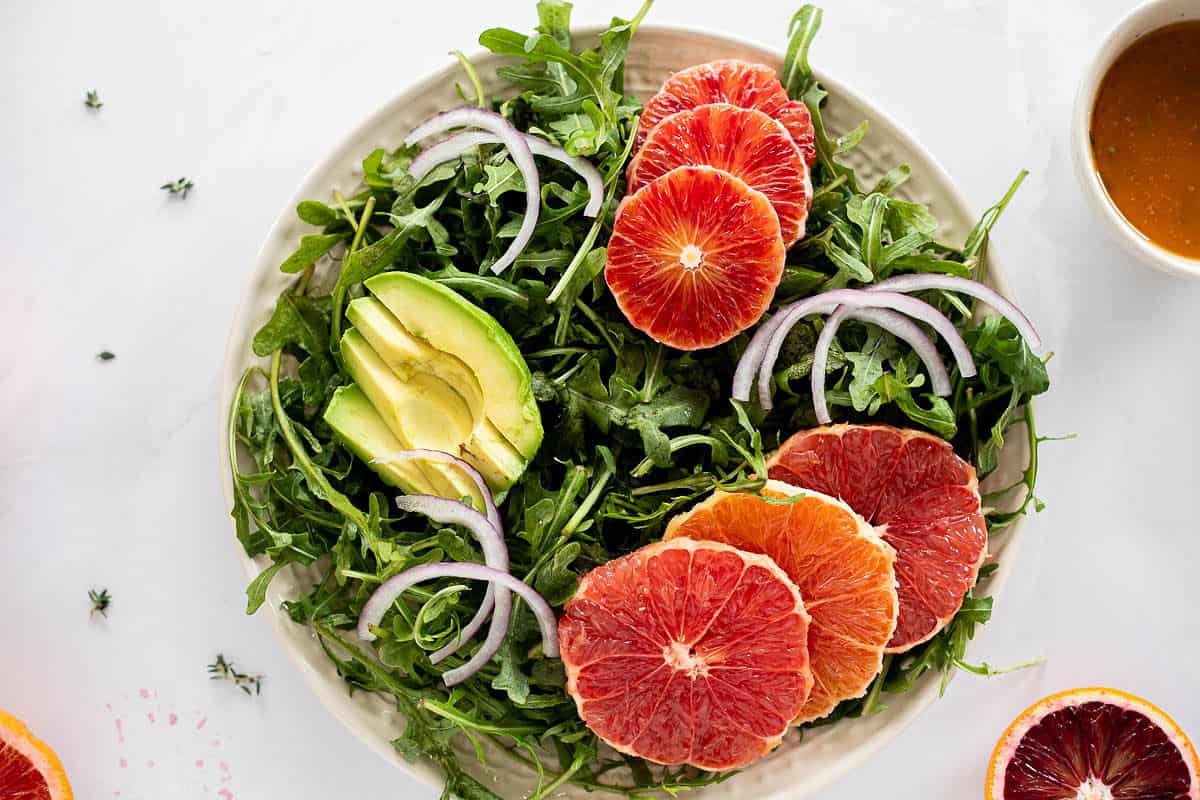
(108, 471)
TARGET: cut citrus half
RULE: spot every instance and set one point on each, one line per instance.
(842, 568)
(1093, 744)
(29, 770)
(738, 83)
(694, 257)
(744, 142)
(920, 496)
(687, 652)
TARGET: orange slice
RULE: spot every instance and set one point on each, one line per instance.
(843, 569)
(1093, 744)
(687, 652)
(29, 770)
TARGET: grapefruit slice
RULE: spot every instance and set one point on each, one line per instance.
(735, 82)
(920, 496)
(1093, 744)
(842, 568)
(694, 257)
(687, 652)
(29, 770)
(744, 142)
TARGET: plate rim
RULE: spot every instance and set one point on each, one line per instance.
(233, 366)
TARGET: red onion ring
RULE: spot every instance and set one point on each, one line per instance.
(1003, 306)
(898, 325)
(857, 298)
(418, 454)
(455, 146)
(393, 587)
(496, 600)
(493, 516)
(522, 156)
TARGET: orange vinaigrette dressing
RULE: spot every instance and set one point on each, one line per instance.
(1145, 136)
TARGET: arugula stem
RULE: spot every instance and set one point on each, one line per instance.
(317, 481)
(678, 443)
(468, 722)
(611, 182)
(594, 318)
(360, 228)
(589, 501)
(469, 68)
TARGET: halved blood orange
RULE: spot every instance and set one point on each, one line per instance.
(29, 770)
(739, 83)
(744, 142)
(920, 496)
(1093, 744)
(842, 568)
(687, 652)
(694, 257)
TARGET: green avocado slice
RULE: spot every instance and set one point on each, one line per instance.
(409, 356)
(452, 324)
(358, 424)
(421, 412)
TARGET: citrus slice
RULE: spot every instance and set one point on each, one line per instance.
(29, 770)
(1093, 744)
(687, 652)
(744, 142)
(842, 568)
(694, 257)
(738, 83)
(920, 496)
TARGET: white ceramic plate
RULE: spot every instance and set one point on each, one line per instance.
(797, 768)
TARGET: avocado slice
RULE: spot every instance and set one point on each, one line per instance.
(358, 424)
(421, 412)
(409, 356)
(452, 324)
(406, 354)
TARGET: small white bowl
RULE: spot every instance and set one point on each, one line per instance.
(1144, 19)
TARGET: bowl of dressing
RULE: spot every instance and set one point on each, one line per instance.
(1136, 137)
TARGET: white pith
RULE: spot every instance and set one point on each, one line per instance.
(691, 256)
(679, 656)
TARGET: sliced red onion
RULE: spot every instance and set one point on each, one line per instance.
(522, 156)
(751, 360)
(1002, 305)
(393, 587)
(892, 322)
(908, 331)
(495, 555)
(857, 298)
(469, 630)
(489, 505)
(455, 146)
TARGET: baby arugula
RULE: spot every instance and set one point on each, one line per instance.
(635, 432)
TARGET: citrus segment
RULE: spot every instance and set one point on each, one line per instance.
(1093, 744)
(735, 82)
(694, 257)
(29, 770)
(744, 142)
(923, 500)
(841, 567)
(687, 652)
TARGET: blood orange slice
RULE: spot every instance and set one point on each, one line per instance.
(735, 82)
(29, 770)
(1094, 744)
(694, 257)
(842, 568)
(744, 142)
(921, 497)
(687, 652)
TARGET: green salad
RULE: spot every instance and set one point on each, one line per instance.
(629, 432)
